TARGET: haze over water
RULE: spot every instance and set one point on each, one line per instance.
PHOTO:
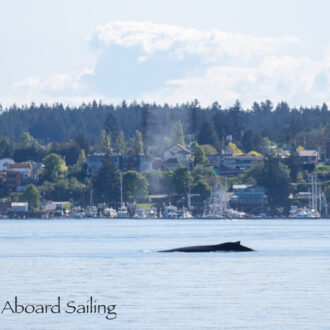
(285, 284)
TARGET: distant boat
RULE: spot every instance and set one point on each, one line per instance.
(91, 212)
(122, 212)
(109, 212)
(233, 214)
(139, 214)
(151, 213)
(170, 212)
(316, 200)
(186, 214)
(303, 213)
(219, 205)
(78, 214)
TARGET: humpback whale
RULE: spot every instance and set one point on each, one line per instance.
(224, 247)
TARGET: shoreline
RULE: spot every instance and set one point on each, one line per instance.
(158, 219)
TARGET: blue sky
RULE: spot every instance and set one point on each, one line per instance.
(165, 51)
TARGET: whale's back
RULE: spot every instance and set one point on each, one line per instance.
(224, 247)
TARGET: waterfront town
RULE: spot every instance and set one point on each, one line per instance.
(186, 181)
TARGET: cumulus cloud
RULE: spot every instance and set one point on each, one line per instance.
(296, 81)
(58, 83)
(210, 46)
(166, 63)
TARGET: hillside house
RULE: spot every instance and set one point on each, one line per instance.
(230, 165)
(308, 156)
(124, 163)
(5, 164)
(176, 156)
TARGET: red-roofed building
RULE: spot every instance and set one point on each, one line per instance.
(24, 168)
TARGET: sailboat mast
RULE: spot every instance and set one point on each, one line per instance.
(121, 190)
(320, 199)
(189, 195)
(313, 194)
(226, 196)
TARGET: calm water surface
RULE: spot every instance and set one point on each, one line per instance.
(284, 285)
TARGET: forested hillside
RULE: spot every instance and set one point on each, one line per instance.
(281, 124)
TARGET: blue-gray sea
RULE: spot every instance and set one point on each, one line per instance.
(285, 284)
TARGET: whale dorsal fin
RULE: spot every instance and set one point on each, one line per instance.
(238, 242)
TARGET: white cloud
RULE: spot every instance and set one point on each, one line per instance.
(276, 78)
(211, 46)
(166, 63)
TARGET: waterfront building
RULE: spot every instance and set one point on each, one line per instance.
(250, 198)
(124, 163)
(19, 207)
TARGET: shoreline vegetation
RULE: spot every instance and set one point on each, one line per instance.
(159, 161)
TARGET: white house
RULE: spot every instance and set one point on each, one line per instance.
(5, 164)
(19, 207)
(177, 155)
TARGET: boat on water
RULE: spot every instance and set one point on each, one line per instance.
(78, 214)
(170, 212)
(92, 212)
(122, 212)
(234, 214)
(303, 213)
(185, 214)
(219, 204)
(109, 212)
(151, 213)
(139, 214)
(316, 200)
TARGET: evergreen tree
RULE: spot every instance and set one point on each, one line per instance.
(111, 126)
(177, 135)
(6, 147)
(199, 154)
(105, 142)
(146, 127)
(81, 140)
(208, 135)
(106, 182)
(276, 180)
(137, 147)
(194, 118)
(251, 140)
(294, 164)
(120, 144)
